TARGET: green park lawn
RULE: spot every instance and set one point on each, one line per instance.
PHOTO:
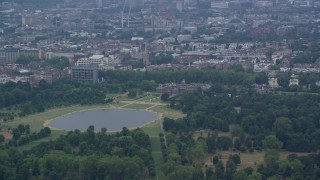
(37, 121)
(111, 95)
(167, 112)
(54, 135)
(248, 159)
(118, 104)
(151, 98)
(158, 161)
(153, 129)
(137, 106)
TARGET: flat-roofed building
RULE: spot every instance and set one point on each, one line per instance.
(175, 89)
(219, 5)
(99, 60)
(12, 54)
(88, 73)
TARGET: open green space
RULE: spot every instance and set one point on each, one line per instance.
(54, 135)
(111, 95)
(152, 129)
(158, 161)
(249, 159)
(167, 112)
(36, 122)
(150, 98)
(118, 104)
(155, 144)
(137, 106)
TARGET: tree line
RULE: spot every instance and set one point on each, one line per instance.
(83, 155)
(22, 135)
(254, 123)
(294, 119)
(26, 99)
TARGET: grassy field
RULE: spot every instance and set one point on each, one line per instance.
(248, 159)
(150, 98)
(158, 161)
(137, 106)
(36, 122)
(54, 135)
(167, 112)
(153, 130)
(119, 104)
(111, 95)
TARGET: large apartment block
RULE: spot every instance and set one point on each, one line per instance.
(85, 73)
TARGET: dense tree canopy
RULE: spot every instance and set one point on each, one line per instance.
(271, 122)
(83, 155)
(36, 99)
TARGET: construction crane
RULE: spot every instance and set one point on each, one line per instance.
(123, 18)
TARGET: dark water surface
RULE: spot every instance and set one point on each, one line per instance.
(112, 119)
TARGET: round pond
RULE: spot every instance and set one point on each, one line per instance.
(112, 119)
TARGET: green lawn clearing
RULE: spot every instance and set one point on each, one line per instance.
(137, 106)
(167, 112)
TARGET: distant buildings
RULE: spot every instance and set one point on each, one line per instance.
(136, 3)
(161, 24)
(261, 89)
(35, 79)
(4, 79)
(99, 3)
(264, 3)
(184, 37)
(98, 60)
(219, 5)
(294, 81)
(179, 5)
(192, 56)
(273, 82)
(175, 89)
(87, 73)
(10, 55)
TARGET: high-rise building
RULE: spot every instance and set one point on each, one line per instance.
(26, 20)
(87, 74)
(99, 3)
(179, 5)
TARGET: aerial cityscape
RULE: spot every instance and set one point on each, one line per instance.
(160, 89)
